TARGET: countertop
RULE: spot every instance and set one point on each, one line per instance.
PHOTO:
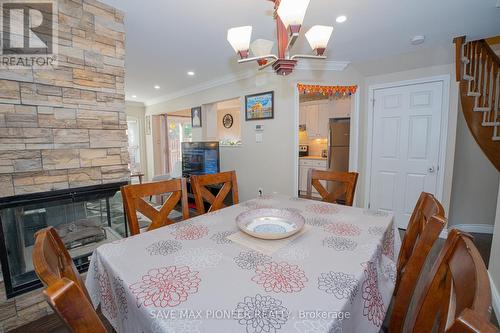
(313, 158)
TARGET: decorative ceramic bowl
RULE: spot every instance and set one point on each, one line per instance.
(270, 223)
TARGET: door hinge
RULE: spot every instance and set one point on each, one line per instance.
(369, 205)
(373, 102)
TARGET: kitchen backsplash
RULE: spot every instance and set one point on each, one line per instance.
(316, 146)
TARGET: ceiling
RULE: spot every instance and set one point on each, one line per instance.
(165, 38)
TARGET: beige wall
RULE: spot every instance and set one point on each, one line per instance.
(494, 267)
(271, 164)
(475, 182)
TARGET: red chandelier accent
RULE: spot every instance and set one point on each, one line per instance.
(289, 15)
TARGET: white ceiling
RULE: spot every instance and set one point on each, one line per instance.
(167, 38)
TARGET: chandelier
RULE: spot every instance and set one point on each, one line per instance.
(289, 15)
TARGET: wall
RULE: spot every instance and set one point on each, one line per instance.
(473, 199)
(494, 267)
(64, 127)
(270, 164)
(138, 111)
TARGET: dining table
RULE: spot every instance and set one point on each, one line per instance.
(337, 275)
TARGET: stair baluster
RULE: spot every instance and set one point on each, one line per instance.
(478, 75)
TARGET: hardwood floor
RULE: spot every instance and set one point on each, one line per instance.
(52, 324)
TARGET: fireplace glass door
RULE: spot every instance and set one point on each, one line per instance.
(84, 218)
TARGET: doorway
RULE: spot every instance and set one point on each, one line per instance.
(406, 144)
(339, 103)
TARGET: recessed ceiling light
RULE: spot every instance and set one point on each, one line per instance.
(417, 40)
(190, 73)
(134, 96)
(157, 87)
(341, 19)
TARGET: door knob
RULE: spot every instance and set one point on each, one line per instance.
(431, 169)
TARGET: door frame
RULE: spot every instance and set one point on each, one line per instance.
(354, 136)
(445, 110)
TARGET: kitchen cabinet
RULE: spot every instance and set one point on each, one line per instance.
(305, 165)
(312, 121)
(315, 115)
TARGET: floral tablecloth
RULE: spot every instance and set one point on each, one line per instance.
(189, 277)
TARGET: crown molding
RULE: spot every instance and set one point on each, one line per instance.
(226, 79)
(303, 64)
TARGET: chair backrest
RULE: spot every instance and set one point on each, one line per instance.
(73, 307)
(345, 181)
(458, 281)
(133, 200)
(471, 322)
(425, 224)
(65, 292)
(52, 261)
(201, 193)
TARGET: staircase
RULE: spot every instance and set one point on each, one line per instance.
(477, 68)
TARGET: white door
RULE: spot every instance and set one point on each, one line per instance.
(405, 151)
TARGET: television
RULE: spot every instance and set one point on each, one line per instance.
(200, 158)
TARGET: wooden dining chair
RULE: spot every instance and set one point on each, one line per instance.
(424, 227)
(456, 292)
(73, 307)
(65, 292)
(133, 200)
(52, 261)
(199, 184)
(345, 191)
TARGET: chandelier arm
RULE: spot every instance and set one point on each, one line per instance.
(267, 65)
(241, 61)
(307, 56)
(291, 40)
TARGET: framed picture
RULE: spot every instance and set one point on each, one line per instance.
(196, 117)
(259, 106)
(148, 125)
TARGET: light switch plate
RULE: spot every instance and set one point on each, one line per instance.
(259, 137)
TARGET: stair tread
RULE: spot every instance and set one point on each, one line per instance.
(482, 109)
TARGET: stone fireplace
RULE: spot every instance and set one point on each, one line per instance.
(64, 127)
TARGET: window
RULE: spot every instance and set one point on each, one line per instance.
(179, 130)
(134, 144)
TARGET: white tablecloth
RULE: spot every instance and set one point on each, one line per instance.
(336, 277)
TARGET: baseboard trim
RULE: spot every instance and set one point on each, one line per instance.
(495, 297)
(472, 228)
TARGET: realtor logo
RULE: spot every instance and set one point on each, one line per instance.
(28, 33)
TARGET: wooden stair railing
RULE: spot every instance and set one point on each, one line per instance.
(477, 69)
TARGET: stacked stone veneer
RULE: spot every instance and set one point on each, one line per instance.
(64, 127)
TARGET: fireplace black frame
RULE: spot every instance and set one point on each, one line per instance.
(76, 194)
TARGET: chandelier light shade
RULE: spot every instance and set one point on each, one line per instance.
(289, 15)
(292, 12)
(318, 37)
(239, 38)
(261, 48)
